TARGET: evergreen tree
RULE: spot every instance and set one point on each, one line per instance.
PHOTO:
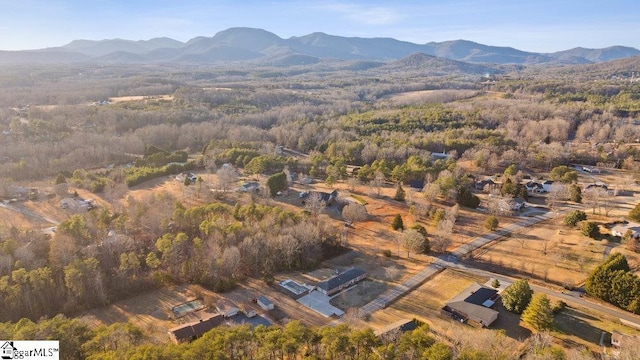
(491, 223)
(563, 174)
(538, 313)
(397, 223)
(467, 199)
(517, 296)
(590, 229)
(598, 284)
(634, 214)
(575, 193)
(277, 182)
(574, 217)
(495, 283)
(400, 193)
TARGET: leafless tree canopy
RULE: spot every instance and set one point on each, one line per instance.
(354, 212)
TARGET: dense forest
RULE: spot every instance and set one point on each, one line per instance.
(50, 125)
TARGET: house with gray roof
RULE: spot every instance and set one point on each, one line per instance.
(341, 281)
(474, 303)
(265, 303)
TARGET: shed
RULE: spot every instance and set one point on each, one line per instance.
(227, 308)
(265, 303)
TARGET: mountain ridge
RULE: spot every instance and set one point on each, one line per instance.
(243, 43)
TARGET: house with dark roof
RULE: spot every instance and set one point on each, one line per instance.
(595, 186)
(480, 185)
(327, 198)
(193, 330)
(474, 304)
(249, 186)
(534, 187)
(341, 281)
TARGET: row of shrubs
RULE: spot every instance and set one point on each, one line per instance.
(137, 175)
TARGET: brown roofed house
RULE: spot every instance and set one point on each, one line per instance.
(193, 330)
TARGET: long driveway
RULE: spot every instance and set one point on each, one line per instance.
(394, 293)
(449, 261)
(568, 297)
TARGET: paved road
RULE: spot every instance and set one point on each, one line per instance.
(440, 264)
(568, 297)
(451, 261)
(484, 240)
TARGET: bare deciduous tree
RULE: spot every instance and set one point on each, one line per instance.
(227, 176)
(412, 240)
(608, 201)
(557, 192)
(353, 183)
(314, 203)
(442, 240)
(378, 182)
(431, 192)
(353, 212)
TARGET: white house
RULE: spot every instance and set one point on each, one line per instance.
(227, 308)
(621, 229)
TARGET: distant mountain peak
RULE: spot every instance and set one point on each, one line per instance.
(254, 44)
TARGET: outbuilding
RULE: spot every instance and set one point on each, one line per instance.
(265, 303)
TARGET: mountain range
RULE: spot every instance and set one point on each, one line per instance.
(263, 47)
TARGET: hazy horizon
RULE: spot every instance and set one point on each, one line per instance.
(541, 26)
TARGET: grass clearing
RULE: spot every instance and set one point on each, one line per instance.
(579, 326)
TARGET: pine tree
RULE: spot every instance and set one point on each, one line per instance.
(400, 194)
(397, 223)
(495, 283)
(539, 313)
(574, 217)
(491, 223)
(634, 214)
(575, 193)
(517, 296)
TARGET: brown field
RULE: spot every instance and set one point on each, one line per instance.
(425, 301)
(10, 218)
(578, 326)
(431, 96)
(118, 99)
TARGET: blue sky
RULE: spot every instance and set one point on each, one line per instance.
(531, 25)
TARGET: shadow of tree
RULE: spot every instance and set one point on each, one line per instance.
(573, 322)
(510, 324)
